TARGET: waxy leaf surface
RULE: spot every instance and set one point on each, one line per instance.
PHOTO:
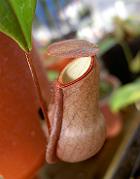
(16, 18)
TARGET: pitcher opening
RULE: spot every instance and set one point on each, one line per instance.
(76, 69)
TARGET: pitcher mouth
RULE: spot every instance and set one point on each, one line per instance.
(75, 71)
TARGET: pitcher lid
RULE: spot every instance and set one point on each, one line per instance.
(72, 48)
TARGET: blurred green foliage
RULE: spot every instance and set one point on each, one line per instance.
(125, 95)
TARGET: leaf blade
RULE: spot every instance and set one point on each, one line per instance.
(125, 95)
(17, 21)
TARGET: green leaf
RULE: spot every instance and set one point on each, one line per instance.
(16, 18)
(125, 95)
(106, 45)
(52, 75)
(135, 64)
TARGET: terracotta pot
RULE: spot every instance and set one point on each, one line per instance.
(22, 142)
(113, 120)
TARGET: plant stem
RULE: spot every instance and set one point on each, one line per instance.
(37, 85)
(127, 52)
